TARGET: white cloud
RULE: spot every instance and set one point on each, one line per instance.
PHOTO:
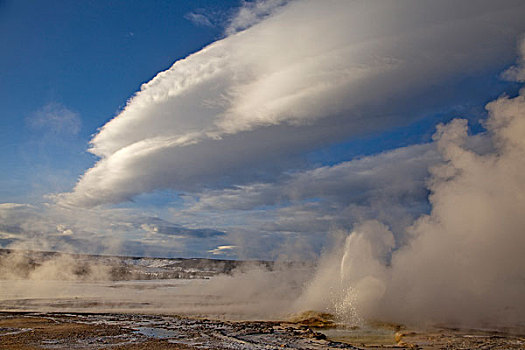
(395, 173)
(55, 118)
(390, 186)
(517, 72)
(251, 13)
(96, 231)
(222, 249)
(198, 19)
(308, 205)
(10, 206)
(249, 106)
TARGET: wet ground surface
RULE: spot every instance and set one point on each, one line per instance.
(435, 338)
(131, 331)
(123, 331)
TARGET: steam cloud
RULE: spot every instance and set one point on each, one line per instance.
(464, 261)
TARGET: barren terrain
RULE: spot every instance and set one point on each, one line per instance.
(23, 331)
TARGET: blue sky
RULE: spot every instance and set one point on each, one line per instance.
(298, 120)
(89, 57)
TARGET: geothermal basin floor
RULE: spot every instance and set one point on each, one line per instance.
(33, 330)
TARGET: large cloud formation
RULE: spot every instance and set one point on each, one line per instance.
(310, 73)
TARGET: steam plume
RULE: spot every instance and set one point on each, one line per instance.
(464, 261)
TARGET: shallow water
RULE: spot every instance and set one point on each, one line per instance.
(157, 333)
(106, 296)
(365, 335)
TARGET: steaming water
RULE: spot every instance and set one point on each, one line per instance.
(151, 296)
(175, 296)
(345, 304)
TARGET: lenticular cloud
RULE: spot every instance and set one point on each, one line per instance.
(310, 73)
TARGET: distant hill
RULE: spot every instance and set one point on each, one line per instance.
(22, 264)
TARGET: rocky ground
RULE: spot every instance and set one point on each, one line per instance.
(21, 331)
(100, 331)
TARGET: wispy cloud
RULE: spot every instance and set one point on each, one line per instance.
(223, 249)
(251, 13)
(108, 231)
(517, 72)
(55, 118)
(199, 19)
(306, 206)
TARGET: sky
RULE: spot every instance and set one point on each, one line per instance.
(231, 129)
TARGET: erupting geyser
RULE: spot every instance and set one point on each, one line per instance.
(463, 262)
